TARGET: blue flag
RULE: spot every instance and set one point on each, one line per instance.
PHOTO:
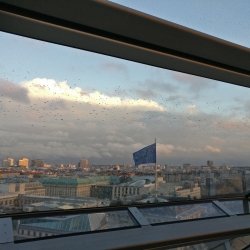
(145, 155)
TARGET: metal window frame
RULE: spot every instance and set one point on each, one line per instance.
(187, 237)
(118, 208)
(108, 28)
(146, 237)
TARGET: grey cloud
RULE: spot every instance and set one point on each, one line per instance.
(246, 107)
(161, 86)
(195, 84)
(56, 104)
(13, 91)
(178, 97)
(150, 89)
(109, 135)
(82, 93)
(120, 67)
(145, 93)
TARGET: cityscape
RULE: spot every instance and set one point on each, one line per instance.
(29, 186)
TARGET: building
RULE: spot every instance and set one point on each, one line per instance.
(9, 174)
(24, 162)
(66, 187)
(8, 200)
(186, 165)
(8, 162)
(29, 188)
(9, 194)
(206, 168)
(83, 164)
(30, 203)
(193, 192)
(210, 163)
(37, 163)
(173, 177)
(114, 192)
(187, 176)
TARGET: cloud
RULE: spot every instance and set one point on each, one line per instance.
(191, 108)
(195, 150)
(233, 125)
(60, 134)
(195, 84)
(178, 98)
(145, 93)
(160, 86)
(217, 140)
(183, 149)
(151, 89)
(50, 89)
(212, 149)
(13, 91)
(120, 67)
(64, 124)
(164, 149)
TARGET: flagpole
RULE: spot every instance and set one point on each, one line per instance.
(156, 191)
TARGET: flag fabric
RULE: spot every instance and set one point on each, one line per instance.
(145, 155)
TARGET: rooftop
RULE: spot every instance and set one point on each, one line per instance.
(77, 181)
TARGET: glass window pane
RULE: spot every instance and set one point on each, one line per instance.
(70, 121)
(240, 243)
(68, 224)
(215, 245)
(237, 243)
(237, 206)
(163, 214)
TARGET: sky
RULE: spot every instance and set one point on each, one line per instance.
(62, 104)
(225, 19)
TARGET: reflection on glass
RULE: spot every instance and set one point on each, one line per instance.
(57, 225)
(237, 206)
(182, 212)
(70, 121)
(237, 243)
(240, 243)
(215, 245)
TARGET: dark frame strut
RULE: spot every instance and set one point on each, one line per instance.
(127, 34)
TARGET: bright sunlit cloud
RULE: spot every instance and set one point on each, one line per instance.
(49, 88)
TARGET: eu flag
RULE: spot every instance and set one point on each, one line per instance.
(145, 155)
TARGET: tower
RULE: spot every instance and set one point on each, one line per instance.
(24, 162)
(83, 163)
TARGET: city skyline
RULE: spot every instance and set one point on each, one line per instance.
(82, 163)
